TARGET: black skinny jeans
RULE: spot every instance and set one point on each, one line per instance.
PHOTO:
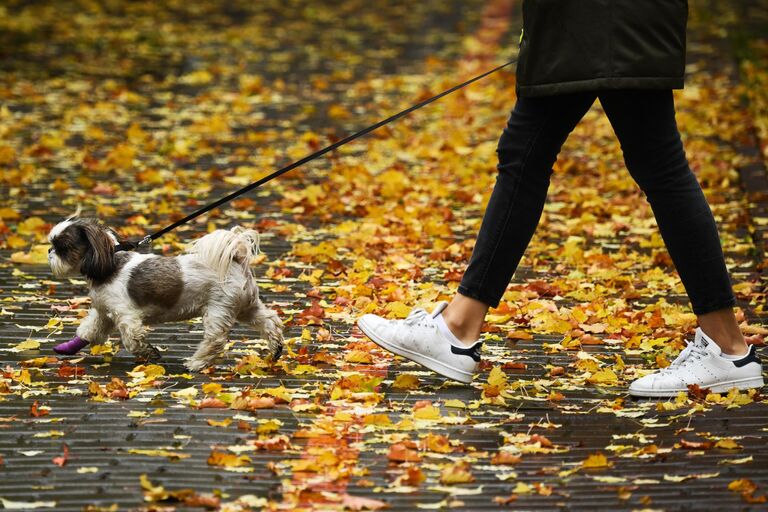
(644, 122)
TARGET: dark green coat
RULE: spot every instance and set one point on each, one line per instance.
(591, 45)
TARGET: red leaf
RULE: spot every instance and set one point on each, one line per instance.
(34, 411)
(68, 371)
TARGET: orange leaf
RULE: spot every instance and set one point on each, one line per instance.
(229, 460)
(519, 335)
(358, 503)
(60, 461)
(505, 457)
(212, 403)
(398, 452)
(458, 473)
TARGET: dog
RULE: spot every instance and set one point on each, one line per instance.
(129, 291)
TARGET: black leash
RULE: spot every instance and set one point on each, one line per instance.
(123, 246)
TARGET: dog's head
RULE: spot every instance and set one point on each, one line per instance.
(82, 246)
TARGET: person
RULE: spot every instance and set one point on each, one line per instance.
(630, 55)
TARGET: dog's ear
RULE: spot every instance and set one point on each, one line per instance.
(99, 258)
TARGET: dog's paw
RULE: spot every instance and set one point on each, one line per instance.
(196, 365)
(275, 350)
(148, 353)
(273, 328)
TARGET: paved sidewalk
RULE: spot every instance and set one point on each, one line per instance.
(173, 106)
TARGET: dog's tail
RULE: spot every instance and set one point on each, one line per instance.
(221, 249)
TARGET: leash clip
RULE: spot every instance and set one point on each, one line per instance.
(144, 241)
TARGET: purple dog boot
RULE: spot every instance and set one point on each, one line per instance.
(71, 347)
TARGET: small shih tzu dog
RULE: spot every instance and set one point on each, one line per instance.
(128, 290)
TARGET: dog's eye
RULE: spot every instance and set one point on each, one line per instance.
(50, 250)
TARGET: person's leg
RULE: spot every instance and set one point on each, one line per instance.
(440, 340)
(527, 149)
(644, 122)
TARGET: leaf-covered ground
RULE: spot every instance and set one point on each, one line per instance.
(140, 112)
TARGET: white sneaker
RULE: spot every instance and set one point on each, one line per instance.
(419, 339)
(702, 363)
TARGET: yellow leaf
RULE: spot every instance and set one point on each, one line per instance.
(522, 488)
(9, 213)
(15, 242)
(406, 381)
(159, 453)
(30, 226)
(381, 420)
(398, 309)
(429, 412)
(743, 485)
(281, 393)
(458, 404)
(304, 369)
(268, 427)
(106, 348)
(728, 444)
(188, 393)
(31, 505)
(596, 460)
(458, 473)
(198, 77)
(50, 433)
(358, 356)
(338, 112)
(25, 345)
(152, 492)
(38, 255)
(223, 423)
(742, 460)
(25, 378)
(212, 388)
(604, 376)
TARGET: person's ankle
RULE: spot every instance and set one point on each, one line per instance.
(729, 343)
(467, 334)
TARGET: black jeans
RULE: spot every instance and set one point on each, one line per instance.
(644, 122)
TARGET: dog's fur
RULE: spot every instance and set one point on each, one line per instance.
(129, 290)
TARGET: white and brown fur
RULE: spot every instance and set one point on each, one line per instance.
(129, 290)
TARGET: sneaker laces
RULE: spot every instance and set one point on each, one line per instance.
(416, 317)
(690, 354)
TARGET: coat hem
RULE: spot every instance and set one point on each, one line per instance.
(599, 84)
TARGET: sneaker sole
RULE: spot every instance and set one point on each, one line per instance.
(433, 364)
(741, 384)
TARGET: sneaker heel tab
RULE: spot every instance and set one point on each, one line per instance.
(751, 357)
(473, 351)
